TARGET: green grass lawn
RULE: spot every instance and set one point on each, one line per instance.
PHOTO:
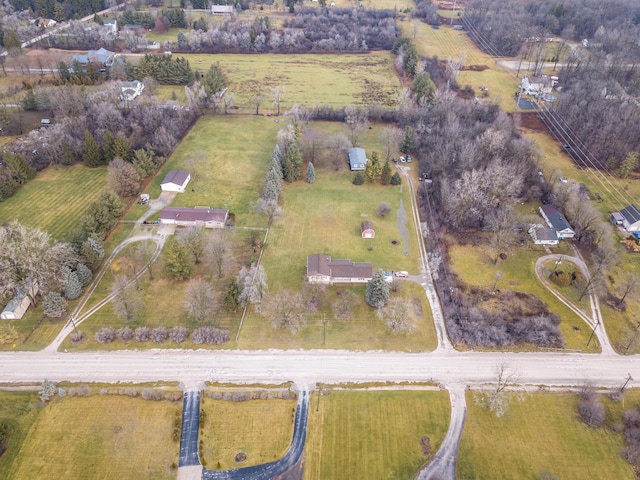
(474, 267)
(19, 411)
(56, 199)
(374, 434)
(541, 433)
(310, 80)
(262, 429)
(99, 437)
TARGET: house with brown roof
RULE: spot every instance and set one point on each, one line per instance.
(366, 230)
(188, 217)
(323, 269)
(175, 181)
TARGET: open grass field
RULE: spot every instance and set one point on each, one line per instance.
(541, 433)
(99, 437)
(373, 434)
(260, 428)
(232, 153)
(317, 79)
(449, 44)
(475, 267)
(56, 199)
(19, 411)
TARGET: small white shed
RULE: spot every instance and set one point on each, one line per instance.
(175, 181)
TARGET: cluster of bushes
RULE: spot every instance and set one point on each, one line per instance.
(145, 393)
(244, 396)
(208, 335)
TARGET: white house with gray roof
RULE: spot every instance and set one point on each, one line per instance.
(630, 218)
(357, 159)
(21, 301)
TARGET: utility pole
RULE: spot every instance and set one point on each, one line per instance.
(558, 262)
(593, 332)
(629, 378)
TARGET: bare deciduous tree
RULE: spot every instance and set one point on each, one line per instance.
(269, 208)
(126, 302)
(398, 316)
(193, 239)
(215, 253)
(286, 310)
(495, 399)
(199, 301)
(343, 307)
(357, 120)
(277, 95)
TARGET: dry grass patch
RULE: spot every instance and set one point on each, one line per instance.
(99, 437)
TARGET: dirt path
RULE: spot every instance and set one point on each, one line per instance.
(402, 226)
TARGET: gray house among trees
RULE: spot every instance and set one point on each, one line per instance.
(357, 159)
(20, 302)
(556, 220)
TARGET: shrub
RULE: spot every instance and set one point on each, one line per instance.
(383, 209)
(124, 334)
(590, 408)
(159, 334)
(84, 274)
(77, 336)
(210, 335)
(8, 334)
(142, 334)
(178, 334)
(47, 390)
(105, 335)
(358, 179)
(395, 179)
(53, 305)
(560, 278)
(152, 394)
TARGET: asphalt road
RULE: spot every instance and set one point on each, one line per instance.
(271, 470)
(190, 427)
(326, 366)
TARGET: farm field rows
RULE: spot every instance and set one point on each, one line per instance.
(373, 434)
(540, 433)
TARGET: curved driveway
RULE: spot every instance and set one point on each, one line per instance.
(271, 470)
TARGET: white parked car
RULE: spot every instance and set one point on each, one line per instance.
(402, 273)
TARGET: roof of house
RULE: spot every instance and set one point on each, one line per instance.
(545, 233)
(194, 214)
(630, 214)
(617, 216)
(357, 156)
(135, 84)
(17, 299)
(178, 177)
(110, 22)
(555, 217)
(320, 264)
(366, 225)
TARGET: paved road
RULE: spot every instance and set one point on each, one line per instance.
(190, 427)
(271, 470)
(443, 465)
(325, 366)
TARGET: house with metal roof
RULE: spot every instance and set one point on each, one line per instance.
(21, 301)
(189, 217)
(175, 181)
(556, 220)
(542, 235)
(630, 218)
(323, 269)
(357, 159)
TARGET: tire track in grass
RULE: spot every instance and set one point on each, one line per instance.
(402, 226)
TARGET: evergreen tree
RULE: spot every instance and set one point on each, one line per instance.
(358, 179)
(629, 164)
(232, 296)
(406, 145)
(91, 151)
(277, 161)
(53, 305)
(144, 161)
(92, 253)
(311, 173)
(71, 286)
(122, 148)
(178, 262)
(373, 169)
(68, 155)
(395, 179)
(272, 186)
(29, 101)
(385, 177)
(20, 169)
(84, 274)
(377, 294)
(293, 163)
(214, 81)
(108, 146)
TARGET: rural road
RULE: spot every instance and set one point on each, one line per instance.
(271, 470)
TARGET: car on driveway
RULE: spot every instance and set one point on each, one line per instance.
(402, 274)
(402, 160)
(409, 159)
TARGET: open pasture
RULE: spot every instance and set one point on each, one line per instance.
(540, 433)
(373, 434)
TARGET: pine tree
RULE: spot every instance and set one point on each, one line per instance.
(68, 155)
(178, 262)
(54, 305)
(122, 148)
(20, 169)
(373, 169)
(311, 173)
(293, 163)
(272, 186)
(108, 146)
(91, 152)
(377, 294)
(395, 179)
(84, 274)
(277, 155)
(406, 145)
(72, 288)
(629, 164)
(358, 179)
(232, 297)
(385, 177)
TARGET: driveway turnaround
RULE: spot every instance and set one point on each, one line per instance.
(271, 470)
(190, 427)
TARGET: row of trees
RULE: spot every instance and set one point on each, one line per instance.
(200, 335)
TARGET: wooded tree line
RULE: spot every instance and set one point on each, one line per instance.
(60, 10)
(504, 26)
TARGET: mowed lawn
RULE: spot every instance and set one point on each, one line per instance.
(56, 199)
(541, 433)
(99, 437)
(310, 80)
(231, 155)
(262, 429)
(474, 267)
(19, 411)
(373, 434)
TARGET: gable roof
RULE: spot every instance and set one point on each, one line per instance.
(542, 233)
(320, 264)
(555, 217)
(20, 295)
(630, 214)
(194, 214)
(177, 177)
(357, 157)
(366, 225)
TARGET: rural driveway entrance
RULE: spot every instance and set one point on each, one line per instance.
(190, 426)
